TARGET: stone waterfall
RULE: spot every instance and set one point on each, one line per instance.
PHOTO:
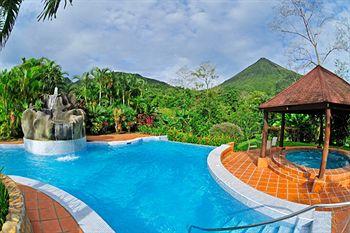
(57, 128)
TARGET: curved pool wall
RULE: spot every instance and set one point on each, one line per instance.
(88, 220)
(317, 221)
(155, 186)
(241, 215)
(312, 157)
(57, 147)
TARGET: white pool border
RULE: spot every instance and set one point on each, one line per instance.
(266, 204)
(131, 141)
(87, 218)
(54, 147)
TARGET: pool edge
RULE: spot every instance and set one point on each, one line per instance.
(86, 217)
(273, 207)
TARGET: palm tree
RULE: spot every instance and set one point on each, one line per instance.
(102, 78)
(9, 10)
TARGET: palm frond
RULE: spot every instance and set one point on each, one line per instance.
(50, 9)
(8, 13)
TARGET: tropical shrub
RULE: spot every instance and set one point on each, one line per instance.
(120, 102)
(23, 85)
(4, 201)
(340, 128)
(226, 129)
(99, 119)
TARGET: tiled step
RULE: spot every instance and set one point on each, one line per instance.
(281, 172)
(291, 170)
(338, 175)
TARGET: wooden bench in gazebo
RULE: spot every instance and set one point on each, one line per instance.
(318, 92)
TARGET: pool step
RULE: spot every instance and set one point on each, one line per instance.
(231, 222)
(284, 229)
(268, 229)
(240, 223)
(271, 228)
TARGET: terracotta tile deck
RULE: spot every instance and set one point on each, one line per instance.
(116, 137)
(242, 165)
(47, 215)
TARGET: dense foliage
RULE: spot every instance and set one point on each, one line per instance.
(122, 102)
(4, 202)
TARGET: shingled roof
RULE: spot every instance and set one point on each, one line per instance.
(318, 89)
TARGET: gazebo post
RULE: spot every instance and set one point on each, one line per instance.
(319, 181)
(262, 161)
(283, 123)
(326, 144)
(320, 139)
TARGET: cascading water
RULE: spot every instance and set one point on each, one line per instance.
(52, 99)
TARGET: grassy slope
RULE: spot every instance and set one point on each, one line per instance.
(264, 75)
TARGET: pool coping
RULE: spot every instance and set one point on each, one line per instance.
(131, 141)
(88, 220)
(111, 143)
(266, 204)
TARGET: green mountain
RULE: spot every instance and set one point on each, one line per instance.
(264, 75)
(150, 81)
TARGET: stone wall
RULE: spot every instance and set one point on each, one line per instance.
(17, 220)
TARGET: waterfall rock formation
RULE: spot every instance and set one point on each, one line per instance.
(58, 120)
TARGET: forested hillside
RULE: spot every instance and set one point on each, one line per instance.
(264, 75)
(117, 102)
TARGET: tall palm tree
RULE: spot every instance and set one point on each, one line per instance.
(9, 10)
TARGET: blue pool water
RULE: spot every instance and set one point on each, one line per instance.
(145, 187)
(313, 158)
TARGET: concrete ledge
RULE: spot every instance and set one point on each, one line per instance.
(48, 148)
(88, 219)
(132, 141)
(262, 202)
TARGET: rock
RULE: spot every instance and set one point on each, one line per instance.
(57, 121)
(9, 227)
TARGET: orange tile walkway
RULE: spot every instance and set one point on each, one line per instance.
(46, 215)
(116, 137)
(242, 165)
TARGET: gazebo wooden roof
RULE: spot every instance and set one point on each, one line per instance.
(319, 91)
(315, 91)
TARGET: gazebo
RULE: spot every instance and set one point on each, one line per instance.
(318, 92)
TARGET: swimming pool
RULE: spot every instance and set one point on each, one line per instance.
(152, 186)
(312, 158)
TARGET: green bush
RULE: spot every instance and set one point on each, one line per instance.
(99, 119)
(4, 203)
(242, 146)
(226, 129)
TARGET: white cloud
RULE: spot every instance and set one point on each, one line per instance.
(153, 38)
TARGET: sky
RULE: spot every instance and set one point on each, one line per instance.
(152, 38)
